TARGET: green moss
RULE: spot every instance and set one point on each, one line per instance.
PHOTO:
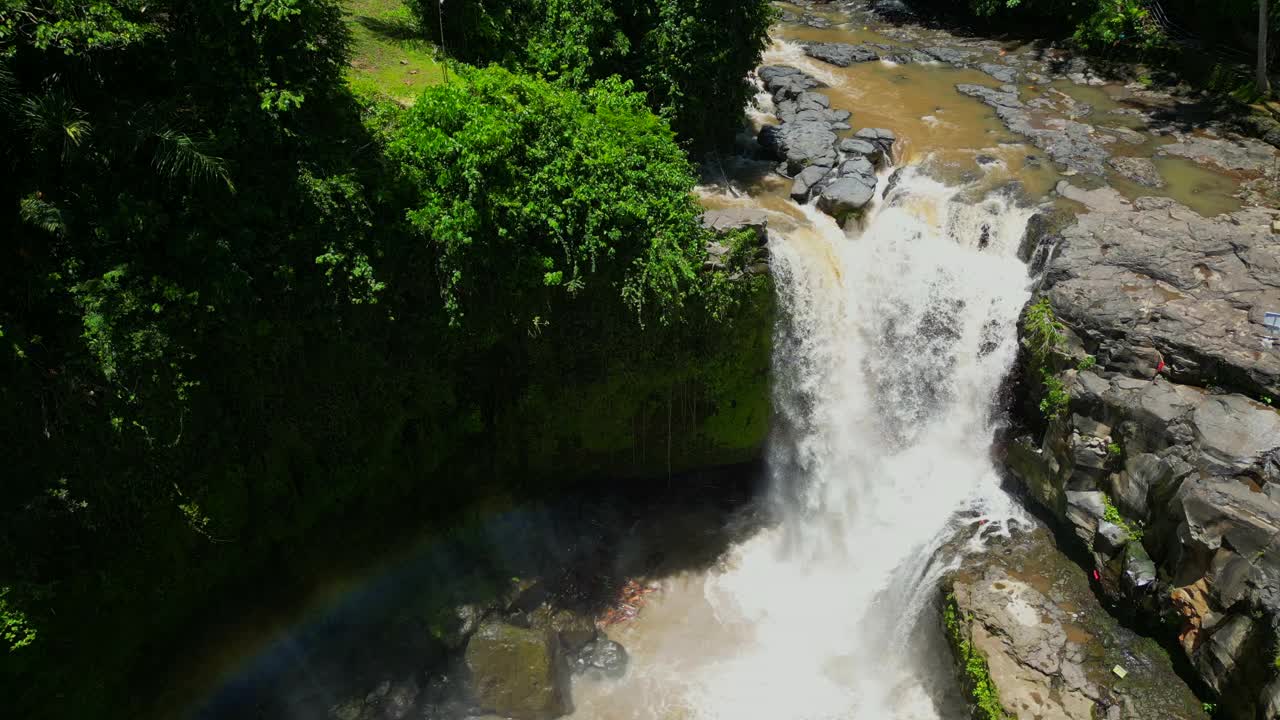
(1111, 514)
(979, 686)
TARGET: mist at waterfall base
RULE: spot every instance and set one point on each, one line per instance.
(889, 355)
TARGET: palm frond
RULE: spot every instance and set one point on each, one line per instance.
(178, 156)
(35, 211)
(53, 120)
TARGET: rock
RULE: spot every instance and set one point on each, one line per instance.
(1156, 275)
(1235, 432)
(881, 138)
(1219, 656)
(1110, 539)
(1242, 154)
(1068, 142)
(950, 56)
(859, 146)
(517, 672)
(389, 700)
(846, 196)
(1139, 170)
(723, 222)
(1001, 73)
(784, 81)
(803, 185)
(842, 54)
(801, 144)
(602, 655)
(1028, 620)
(1139, 569)
(1084, 511)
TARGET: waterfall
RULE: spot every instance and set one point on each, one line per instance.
(890, 351)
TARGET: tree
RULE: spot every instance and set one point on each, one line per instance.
(1264, 82)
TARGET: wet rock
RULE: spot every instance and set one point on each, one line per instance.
(846, 196)
(950, 56)
(389, 700)
(784, 81)
(1022, 614)
(518, 672)
(603, 656)
(842, 54)
(858, 146)
(1240, 154)
(801, 145)
(1001, 73)
(1139, 170)
(723, 222)
(882, 138)
(806, 180)
(1068, 142)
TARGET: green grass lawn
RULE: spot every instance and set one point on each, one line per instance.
(389, 57)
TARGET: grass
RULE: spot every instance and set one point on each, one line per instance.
(389, 55)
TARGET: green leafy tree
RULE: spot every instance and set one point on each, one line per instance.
(533, 196)
(690, 57)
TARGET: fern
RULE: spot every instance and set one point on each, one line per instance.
(178, 156)
(53, 121)
(35, 211)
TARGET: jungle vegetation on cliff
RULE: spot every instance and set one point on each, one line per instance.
(239, 302)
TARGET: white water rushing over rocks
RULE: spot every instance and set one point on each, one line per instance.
(892, 348)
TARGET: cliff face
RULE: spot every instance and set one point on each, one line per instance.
(1165, 460)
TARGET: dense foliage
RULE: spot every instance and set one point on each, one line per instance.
(564, 195)
(690, 57)
(238, 304)
(1220, 32)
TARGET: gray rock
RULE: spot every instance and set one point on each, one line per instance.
(801, 144)
(784, 81)
(846, 196)
(858, 146)
(1140, 170)
(858, 165)
(950, 56)
(1067, 141)
(723, 222)
(878, 136)
(1221, 654)
(1139, 569)
(1235, 433)
(1084, 511)
(604, 656)
(1240, 154)
(1002, 73)
(1110, 539)
(805, 181)
(842, 54)
(1157, 275)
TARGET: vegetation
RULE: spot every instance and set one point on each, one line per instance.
(689, 57)
(1043, 336)
(241, 304)
(1112, 515)
(1223, 45)
(981, 689)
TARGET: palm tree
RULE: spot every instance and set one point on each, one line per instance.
(1264, 83)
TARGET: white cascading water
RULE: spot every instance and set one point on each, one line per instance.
(893, 347)
(888, 360)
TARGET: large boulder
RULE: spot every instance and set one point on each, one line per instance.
(847, 196)
(801, 144)
(1156, 281)
(518, 672)
(842, 54)
(1034, 643)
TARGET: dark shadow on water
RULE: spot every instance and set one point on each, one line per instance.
(581, 549)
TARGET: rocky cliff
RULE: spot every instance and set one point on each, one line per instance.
(1151, 431)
